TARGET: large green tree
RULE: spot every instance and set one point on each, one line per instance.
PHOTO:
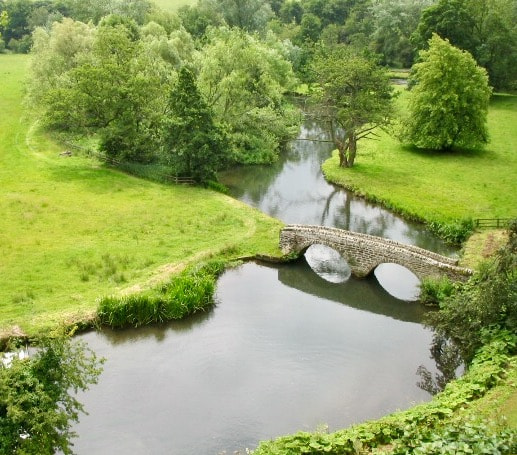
(194, 146)
(485, 28)
(37, 397)
(107, 82)
(243, 80)
(355, 97)
(449, 101)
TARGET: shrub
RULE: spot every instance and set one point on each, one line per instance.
(455, 232)
(187, 293)
(433, 291)
(488, 299)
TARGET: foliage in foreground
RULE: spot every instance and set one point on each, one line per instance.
(37, 397)
(449, 102)
(187, 293)
(488, 299)
(419, 430)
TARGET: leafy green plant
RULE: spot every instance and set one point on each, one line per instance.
(37, 400)
(487, 300)
(454, 232)
(187, 293)
(433, 291)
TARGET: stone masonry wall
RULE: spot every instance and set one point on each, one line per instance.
(365, 252)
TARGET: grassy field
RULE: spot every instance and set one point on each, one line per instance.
(436, 186)
(173, 5)
(72, 231)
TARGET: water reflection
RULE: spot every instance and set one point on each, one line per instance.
(328, 263)
(295, 191)
(282, 351)
(363, 294)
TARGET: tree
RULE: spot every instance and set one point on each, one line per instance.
(4, 20)
(449, 19)
(449, 101)
(194, 145)
(243, 80)
(37, 397)
(395, 21)
(115, 88)
(249, 15)
(355, 97)
(485, 28)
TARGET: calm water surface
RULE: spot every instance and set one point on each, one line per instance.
(286, 348)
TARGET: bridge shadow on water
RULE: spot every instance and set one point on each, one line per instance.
(364, 294)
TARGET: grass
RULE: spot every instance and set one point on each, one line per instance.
(187, 293)
(436, 186)
(72, 231)
(173, 5)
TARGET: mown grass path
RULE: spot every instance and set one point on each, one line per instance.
(72, 230)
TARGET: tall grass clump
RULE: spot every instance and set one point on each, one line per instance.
(453, 232)
(187, 293)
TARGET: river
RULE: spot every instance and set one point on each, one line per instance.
(287, 348)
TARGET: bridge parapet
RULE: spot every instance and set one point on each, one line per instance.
(365, 252)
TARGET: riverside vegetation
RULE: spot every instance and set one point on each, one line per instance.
(446, 190)
(75, 230)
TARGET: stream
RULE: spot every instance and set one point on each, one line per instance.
(290, 347)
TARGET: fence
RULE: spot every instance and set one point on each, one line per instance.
(492, 222)
(113, 162)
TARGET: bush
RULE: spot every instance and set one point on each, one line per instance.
(488, 299)
(21, 46)
(432, 291)
(455, 232)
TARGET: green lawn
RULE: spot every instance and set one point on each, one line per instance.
(436, 186)
(72, 231)
(173, 5)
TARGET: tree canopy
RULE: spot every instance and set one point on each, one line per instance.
(449, 101)
(194, 145)
(355, 95)
(243, 80)
(37, 397)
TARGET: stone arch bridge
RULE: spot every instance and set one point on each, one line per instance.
(365, 252)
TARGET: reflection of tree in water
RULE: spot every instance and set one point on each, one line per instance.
(447, 358)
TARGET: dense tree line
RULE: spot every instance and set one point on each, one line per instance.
(109, 68)
(118, 81)
(394, 29)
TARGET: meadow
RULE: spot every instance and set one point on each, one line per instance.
(437, 186)
(73, 231)
(173, 5)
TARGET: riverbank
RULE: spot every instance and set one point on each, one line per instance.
(436, 187)
(474, 413)
(74, 231)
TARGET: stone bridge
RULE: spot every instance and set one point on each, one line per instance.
(365, 252)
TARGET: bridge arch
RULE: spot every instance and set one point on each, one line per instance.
(328, 263)
(365, 252)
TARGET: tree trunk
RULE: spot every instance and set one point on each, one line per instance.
(352, 149)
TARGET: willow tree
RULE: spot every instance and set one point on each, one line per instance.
(354, 97)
